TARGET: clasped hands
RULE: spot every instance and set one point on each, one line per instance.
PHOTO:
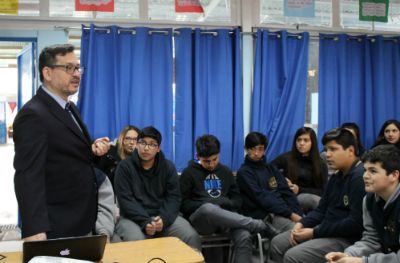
(156, 225)
(300, 234)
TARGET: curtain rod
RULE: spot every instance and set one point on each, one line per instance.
(275, 33)
(215, 33)
(334, 36)
(133, 31)
(359, 38)
(166, 32)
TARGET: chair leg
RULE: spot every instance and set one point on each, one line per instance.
(231, 256)
(260, 247)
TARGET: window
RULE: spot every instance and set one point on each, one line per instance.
(393, 23)
(123, 9)
(28, 8)
(272, 13)
(311, 110)
(349, 16)
(214, 11)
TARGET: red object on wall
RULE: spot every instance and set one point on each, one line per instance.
(188, 6)
(94, 5)
(12, 105)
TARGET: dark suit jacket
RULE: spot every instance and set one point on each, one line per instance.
(54, 177)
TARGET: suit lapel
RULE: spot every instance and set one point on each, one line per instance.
(64, 117)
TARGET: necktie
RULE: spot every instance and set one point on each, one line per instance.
(69, 110)
(68, 107)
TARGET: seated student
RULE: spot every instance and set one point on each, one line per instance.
(337, 221)
(303, 168)
(355, 130)
(210, 199)
(106, 215)
(265, 191)
(124, 147)
(381, 210)
(389, 134)
(147, 189)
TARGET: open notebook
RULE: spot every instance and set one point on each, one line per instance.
(86, 248)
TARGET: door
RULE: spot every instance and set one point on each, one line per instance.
(27, 81)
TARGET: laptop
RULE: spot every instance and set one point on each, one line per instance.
(84, 247)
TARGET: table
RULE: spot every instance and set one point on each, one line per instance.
(170, 249)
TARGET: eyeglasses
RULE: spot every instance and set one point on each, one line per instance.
(130, 139)
(69, 68)
(152, 146)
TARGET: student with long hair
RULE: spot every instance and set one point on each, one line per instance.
(108, 212)
(337, 221)
(126, 144)
(303, 168)
(389, 133)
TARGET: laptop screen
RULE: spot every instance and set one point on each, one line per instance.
(85, 247)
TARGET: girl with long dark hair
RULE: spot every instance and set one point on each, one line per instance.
(389, 133)
(303, 168)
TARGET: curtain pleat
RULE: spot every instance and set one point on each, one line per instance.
(358, 82)
(279, 90)
(127, 80)
(209, 93)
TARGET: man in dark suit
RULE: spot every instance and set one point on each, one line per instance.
(54, 179)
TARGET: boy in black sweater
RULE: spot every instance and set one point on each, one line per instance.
(337, 221)
(147, 188)
(210, 199)
(265, 191)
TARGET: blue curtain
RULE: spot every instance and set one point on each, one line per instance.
(358, 82)
(209, 93)
(280, 84)
(385, 89)
(127, 80)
